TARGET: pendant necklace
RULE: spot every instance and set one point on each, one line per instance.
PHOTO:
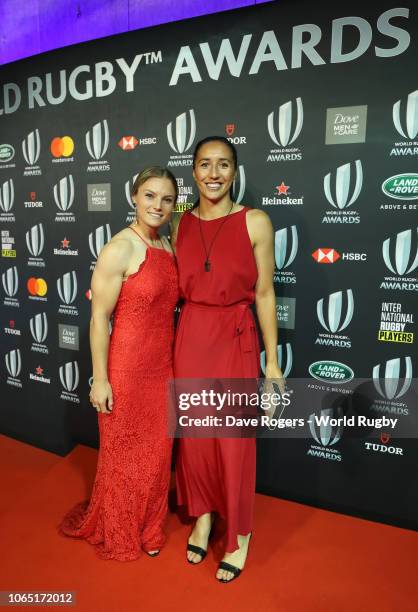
(208, 251)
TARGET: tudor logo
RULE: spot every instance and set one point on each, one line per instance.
(31, 147)
(284, 359)
(326, 256)
(230, 129)
(342, 198)
(69, 376)
(401, 186)
(325, 433)
(283, 136)
(10, 281)
(332, 371)
(39, 327)
(98, 239)
(13, 363)
(64, 193)
(410, 129)
(335, 321)
(181, 144)
(67, 287)
(403, 263)
(393, 385)
(35, 240)
(285, 246)
(238, 186)
(7, 195)
(97, 140)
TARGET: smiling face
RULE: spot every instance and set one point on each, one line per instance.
(214, 170)
(154, 201)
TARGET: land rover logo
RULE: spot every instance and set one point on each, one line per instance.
(7, 153)
(401, 186)
(331, 370)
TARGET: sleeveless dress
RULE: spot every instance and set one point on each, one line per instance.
(216, 337)
(128, 505)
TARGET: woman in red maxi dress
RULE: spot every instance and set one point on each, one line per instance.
(226, 261)
(136, 280)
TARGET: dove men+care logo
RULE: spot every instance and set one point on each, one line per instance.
(400, 256)
(335, 313)
(181, 133)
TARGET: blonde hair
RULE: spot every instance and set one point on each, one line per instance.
(154, 172)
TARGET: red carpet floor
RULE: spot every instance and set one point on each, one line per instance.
(301, 559)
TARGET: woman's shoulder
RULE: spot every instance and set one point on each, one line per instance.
(256, 215)
(117, 251)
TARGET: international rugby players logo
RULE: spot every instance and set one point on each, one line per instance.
(67, 287)
(10, 281)
(64, 193)
(402, 259)
(39, 327)
(182, 138)
(284, 128)
(408, 126)
(346, 188)
(337, 316)
(13, 363)
(69, 376)
(31, 147)
(35, 240)
(7, 195)
(395, 379)
(97, 140)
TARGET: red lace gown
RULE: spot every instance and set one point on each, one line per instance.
(216, 337)
(128, 505)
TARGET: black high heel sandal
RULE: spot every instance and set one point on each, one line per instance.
(236, 571)
(197, 549)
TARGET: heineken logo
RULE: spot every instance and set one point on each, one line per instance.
(7, 153)
(401, 186)
(332, 371)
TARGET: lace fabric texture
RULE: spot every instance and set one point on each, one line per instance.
(128, 504)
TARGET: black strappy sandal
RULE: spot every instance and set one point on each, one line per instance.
(153, 554)
(236, 571)
(197, 549)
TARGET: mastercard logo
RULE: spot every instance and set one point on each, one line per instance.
(37, 286)
(62, 147)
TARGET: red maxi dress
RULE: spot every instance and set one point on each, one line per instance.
(128, 505)
(216, 337)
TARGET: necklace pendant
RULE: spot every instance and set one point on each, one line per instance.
(207, 266)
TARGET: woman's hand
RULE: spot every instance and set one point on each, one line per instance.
(101, 396)
(273, 371)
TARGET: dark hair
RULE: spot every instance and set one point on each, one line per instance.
(226, 142)
(154, 172)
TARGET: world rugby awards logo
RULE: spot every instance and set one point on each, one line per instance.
(97, 143)
(67, 291)
(401, 257)
(128, 190)
(31, 148)
(326, 431)
(69, 377)
(181, 137)
(35, 241)
(342, 192)
(335, 317)
(284, 359)
(97, 240)
(284, 128)
(391, 386)
(10, 282)
(13, 361)
(285, 250)
(238, 186)
(64, 198)
(7, 198)
(405, 120)
(39, 330)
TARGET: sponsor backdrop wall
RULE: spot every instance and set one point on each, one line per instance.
(323, 108)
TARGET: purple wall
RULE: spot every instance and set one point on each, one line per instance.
(33, 26)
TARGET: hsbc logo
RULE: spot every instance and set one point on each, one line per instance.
(344, 190)
(31, 147)
(399, 255)
(407, 125)
(67, 287)
(394, 379)
(98, 238)
(128, 143)
(70, 378)
(238, 186)
(181, 137)
(13, 362)
(337, 316)
(7, 196)
(326, 256)
(97, 140)
(35, 240)
(285, 128)
(10, 281)
(284, 359)
(39, 327)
